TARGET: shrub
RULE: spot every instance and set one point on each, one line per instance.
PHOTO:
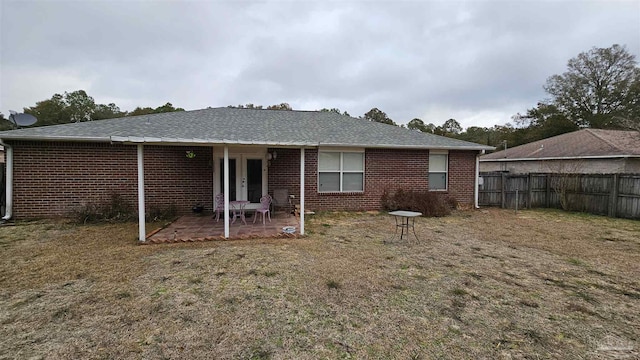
(157, 213)
(117, 209)
(430, 204)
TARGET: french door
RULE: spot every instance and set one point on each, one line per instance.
(246, 178)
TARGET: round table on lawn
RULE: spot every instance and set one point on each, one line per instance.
(402, 218)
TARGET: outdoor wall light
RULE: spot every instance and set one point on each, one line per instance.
(272, 156)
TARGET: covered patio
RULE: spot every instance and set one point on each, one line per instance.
(194, 227)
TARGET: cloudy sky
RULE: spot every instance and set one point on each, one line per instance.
(479, 62)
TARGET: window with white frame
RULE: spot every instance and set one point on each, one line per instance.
(340, 171)
(438, 166)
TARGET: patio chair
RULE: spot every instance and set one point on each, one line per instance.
(281, 200)
(219, 206)
(265, 205)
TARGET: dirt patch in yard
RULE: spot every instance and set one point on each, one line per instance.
(478, 284)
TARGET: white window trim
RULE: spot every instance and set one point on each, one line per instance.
(341, 171)
(446, 171)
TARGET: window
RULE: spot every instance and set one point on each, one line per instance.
(438, 163)
(340, 171)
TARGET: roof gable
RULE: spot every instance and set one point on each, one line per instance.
(577, 144)
(243, 126)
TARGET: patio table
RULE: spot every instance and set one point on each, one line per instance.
(402, 221)
(238, 210)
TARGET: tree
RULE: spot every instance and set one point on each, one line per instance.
(5, 124)
(545, 121)
(51, 111)
(168, 107)
(247, 106)
(80, 106)
(140, 111)
(109, 111)
(419, 125)
(451, 128)
(283, 106)
(600, 89)
(378, 115)
(476, 134)
(334, 110)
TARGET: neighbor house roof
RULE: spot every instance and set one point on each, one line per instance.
(586, 143)
(243, 126)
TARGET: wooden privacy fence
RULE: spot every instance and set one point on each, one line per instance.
(614, 195)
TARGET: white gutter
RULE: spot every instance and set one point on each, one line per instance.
(564, 158)
(56, 138)
(302, 174)
(142, 233)
(8, 210)
(476, 191)
(183, 141)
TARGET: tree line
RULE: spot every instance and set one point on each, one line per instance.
(600, 89)
(78, 106)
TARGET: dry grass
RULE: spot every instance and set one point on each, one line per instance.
(479, 284)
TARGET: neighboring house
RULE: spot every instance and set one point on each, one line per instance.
(587, 151)
(347, 163)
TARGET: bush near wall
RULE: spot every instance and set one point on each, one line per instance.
(430, 204)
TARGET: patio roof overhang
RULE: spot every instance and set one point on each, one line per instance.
(141, 194)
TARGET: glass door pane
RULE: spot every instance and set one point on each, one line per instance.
(232, 178)
(254, 180)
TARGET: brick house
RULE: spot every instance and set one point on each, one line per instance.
(586, 151)
(183, 158)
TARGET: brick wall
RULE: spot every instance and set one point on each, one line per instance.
(384, 169)
(462, 176)
(53, 178)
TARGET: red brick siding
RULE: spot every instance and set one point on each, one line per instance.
(384, 169)
(172, 178)
(53, 178)
(462, 175)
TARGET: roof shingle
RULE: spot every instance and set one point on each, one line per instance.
(244, 126)
(581, 143)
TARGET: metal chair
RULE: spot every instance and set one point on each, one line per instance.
(265, 205)
(219, 206)
(281, 200)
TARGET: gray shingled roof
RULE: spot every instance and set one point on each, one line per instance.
(578, 144)
(243, 126)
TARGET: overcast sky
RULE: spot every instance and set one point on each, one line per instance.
(479, 62)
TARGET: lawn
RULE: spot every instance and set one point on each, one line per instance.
(479, 284)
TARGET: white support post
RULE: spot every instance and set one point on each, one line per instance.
(8, 210)
(142, 233)
(475, 193)
(213, 179)
(226, 191)
(301, 191)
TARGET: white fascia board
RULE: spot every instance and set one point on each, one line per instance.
(58, 138)
(421, 147)
(183, 141)
(563, 158)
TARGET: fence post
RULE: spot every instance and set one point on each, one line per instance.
(502, 191)
(613, 200)
(547, 197)
(529, 191)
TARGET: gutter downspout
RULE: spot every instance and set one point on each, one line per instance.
(8, 210)
(476, 191)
